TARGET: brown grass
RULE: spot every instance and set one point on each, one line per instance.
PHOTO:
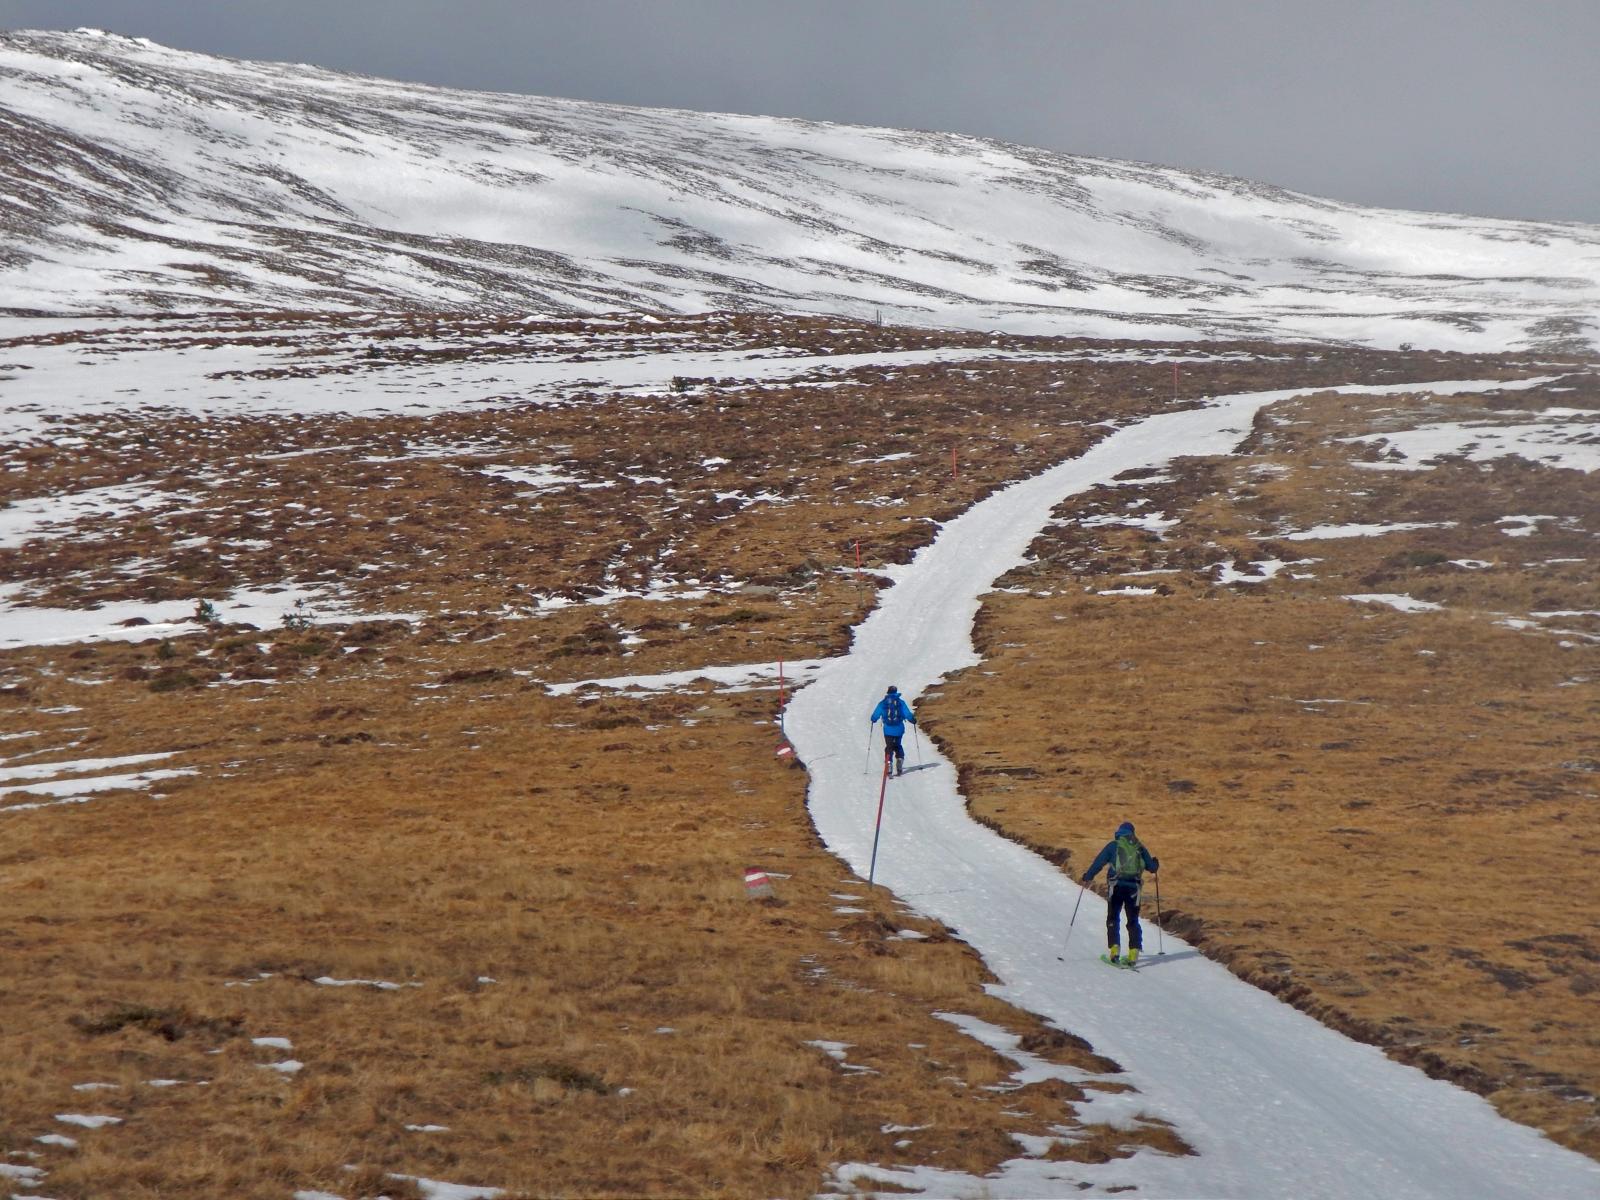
(404, 803)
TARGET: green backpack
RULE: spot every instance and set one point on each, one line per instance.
(1129, 861)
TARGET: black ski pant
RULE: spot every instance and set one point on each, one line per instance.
(1124, 898)
(892, 746)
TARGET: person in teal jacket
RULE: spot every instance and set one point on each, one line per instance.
(895, 714)
(1126, 860)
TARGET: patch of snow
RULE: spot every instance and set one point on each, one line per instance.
(1260, 572)
(433, 1189)
(741, 677)
(1398, 601)
(836, 1051)
(81, 790)
(62, 514)
(1525, 526)
(536, 479)
(1154, 522)
(1321, 532)
(382, 985)
(1570, 444)
(26, 624)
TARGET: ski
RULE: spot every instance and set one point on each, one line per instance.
(1118, 963)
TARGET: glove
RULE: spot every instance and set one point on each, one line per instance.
(1084, 879)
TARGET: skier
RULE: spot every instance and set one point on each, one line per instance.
(1125, 859)
(895, 712)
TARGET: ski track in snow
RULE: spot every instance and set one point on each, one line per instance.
(1275, 1103)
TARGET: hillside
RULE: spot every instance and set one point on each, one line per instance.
(404, 597)
(146, 180)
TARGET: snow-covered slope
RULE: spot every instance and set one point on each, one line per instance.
(142, 179)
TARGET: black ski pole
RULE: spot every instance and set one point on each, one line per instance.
(871, 725)
(1074, 920)
(1161, 943)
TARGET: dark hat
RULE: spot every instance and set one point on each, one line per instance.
(1125, 829)
(893, 690)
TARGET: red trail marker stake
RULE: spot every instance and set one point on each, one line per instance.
(757, 884)
(955, 471)
(883, 786)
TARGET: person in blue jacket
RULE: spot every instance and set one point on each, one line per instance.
(895, 713)
(1126, 860)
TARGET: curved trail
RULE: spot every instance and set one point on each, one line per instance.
(1276, 1104)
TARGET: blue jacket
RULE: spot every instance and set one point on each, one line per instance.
(893, 728)
(1108, 858)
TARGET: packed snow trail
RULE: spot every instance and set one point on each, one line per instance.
(1275, 1103)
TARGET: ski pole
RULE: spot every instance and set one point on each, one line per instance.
(877, 828)
(871, 725)
(917, 734)
(1074, 921)
(1161, 945)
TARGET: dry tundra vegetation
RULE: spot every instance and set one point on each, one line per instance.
(465, 901)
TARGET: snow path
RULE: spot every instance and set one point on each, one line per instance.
(1275, 1103)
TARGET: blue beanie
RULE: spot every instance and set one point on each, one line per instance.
(1125, 829)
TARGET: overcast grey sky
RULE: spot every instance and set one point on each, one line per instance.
(1478, 106)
